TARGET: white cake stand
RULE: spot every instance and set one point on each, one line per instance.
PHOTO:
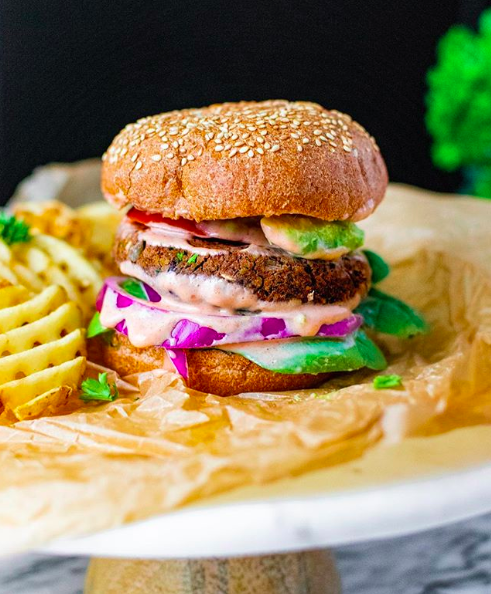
(419, 484)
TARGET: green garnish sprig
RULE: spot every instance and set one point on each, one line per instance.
(13, 230)
(385, 382)
(99, 389)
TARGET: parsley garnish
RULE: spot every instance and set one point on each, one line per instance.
(192, 259)
(13, 230)
(179, 256)
(383, 382)
(99, 389)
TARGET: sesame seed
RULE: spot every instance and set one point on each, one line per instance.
(184, 161)
(239, 130)
(139, 165)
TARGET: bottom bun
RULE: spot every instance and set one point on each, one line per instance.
(210, 370)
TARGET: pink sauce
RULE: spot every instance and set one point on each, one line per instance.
(147, 326)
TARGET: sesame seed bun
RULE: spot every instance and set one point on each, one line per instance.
(246, 159)
(210, 370)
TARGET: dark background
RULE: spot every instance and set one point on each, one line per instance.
(74, 72)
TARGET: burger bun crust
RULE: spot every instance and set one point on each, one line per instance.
(210, 370)
(246, 159)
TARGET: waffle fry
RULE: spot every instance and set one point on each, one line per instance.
(52, 218)
(45, 261)
(42, 350)
(56, 262)
(90, 229)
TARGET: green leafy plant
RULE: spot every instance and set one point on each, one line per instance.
(459, 104)
(98, 389)
(384, 382)
(13, 230)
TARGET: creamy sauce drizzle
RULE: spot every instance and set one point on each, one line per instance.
(211, 295)
(150, 326)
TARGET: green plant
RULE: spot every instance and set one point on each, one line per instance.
(459, 104)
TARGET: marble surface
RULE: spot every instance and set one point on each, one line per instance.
(451, 560)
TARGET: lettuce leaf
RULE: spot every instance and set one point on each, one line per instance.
(380, 268)
(388, 315)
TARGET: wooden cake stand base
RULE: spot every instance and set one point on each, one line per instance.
(310, 572)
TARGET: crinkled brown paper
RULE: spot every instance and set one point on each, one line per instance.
(105, 465)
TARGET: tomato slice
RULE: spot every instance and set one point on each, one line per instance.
(147, 218)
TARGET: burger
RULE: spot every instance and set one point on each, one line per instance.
(241, 263)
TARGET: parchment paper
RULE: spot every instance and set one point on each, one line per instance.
(160, 445)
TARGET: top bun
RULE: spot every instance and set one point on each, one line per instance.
(246, 159)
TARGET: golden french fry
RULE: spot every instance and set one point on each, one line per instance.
(21, 391)
(31, 310)
(44, 356)
(45, 404)
(42, 339)
(59, 322)
(90, 229)
(55, 262)
(42, 350)
(6, 273)
(12, 295)
(53, 218)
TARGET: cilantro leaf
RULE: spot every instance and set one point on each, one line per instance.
(98, 389)
(13, 230)
(179, 256)
(383, 382)
(192, 259)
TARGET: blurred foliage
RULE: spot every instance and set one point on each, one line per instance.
(459, 104)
